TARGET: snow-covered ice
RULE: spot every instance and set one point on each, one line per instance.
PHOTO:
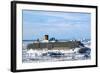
(53, 55)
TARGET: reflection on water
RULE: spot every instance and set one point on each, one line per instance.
(29, 56)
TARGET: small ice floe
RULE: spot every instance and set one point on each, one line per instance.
(53, 54)
(76, 50)
(30, 51)
(79, 56)
(33, 53)
(88, 45)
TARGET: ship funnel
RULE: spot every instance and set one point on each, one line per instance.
(46, 37)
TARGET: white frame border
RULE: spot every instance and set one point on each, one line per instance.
(21, 65)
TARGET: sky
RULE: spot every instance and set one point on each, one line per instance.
(61, 25)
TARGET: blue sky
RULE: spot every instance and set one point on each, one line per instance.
(61, 25)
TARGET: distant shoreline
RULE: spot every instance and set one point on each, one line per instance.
(60, 39)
